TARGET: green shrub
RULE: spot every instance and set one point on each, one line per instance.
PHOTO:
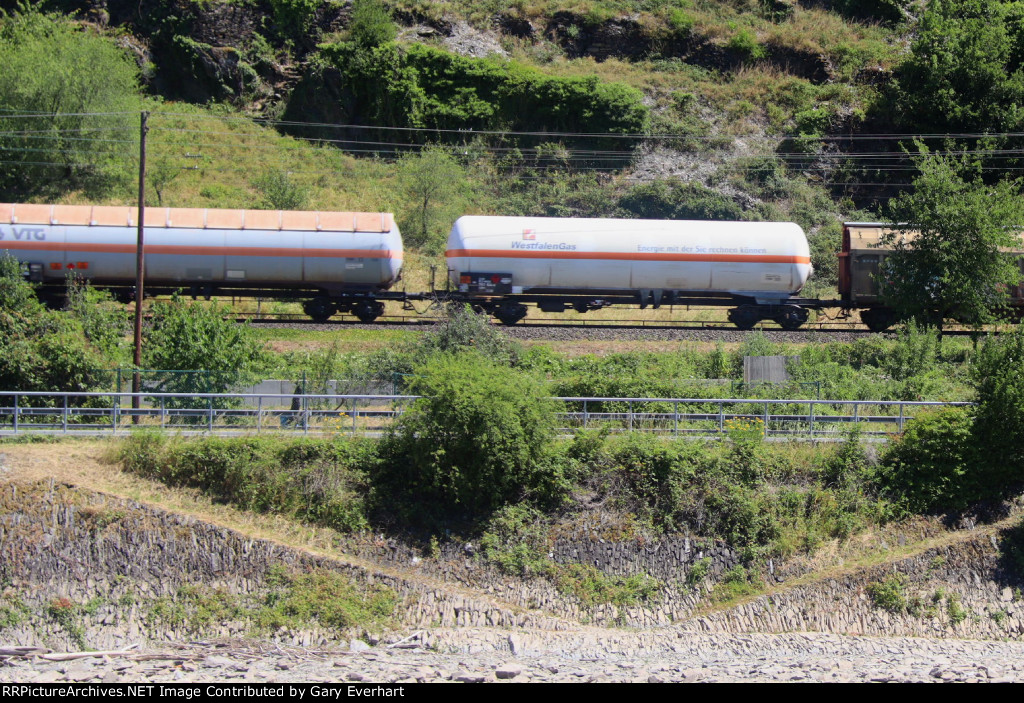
(463, 330)
(43, 350)
(744, 42)
(477, 439)
(674, 200)
(698, 571)
(998, 374)
(294, 18)
(651, 475)
(197, 337)
(423, 86)
(737, 582)
(371, 25)
(279, 191)
(105, 322)
(890, 594)
(324, 597)
(932, 465)
(592, 587)
(515, 539)
(17, 296)
(847, 466)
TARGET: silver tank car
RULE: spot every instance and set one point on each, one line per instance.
(333, 261)
(332, 252)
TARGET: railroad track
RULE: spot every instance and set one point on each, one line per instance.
(300, 320)
(554, 330)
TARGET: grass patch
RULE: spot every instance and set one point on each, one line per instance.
(291, 600)
(593, 587)
(317, 481)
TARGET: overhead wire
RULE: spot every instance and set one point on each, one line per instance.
(580, 159)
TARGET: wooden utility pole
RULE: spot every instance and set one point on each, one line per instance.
(140, 266)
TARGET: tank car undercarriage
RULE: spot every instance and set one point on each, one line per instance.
(509, 310)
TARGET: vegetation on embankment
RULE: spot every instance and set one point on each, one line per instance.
(477, 456)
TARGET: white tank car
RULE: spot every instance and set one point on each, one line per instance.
(327, 253)
(763, 263)
(768, 261)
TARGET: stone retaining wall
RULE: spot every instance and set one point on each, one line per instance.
(58, 542)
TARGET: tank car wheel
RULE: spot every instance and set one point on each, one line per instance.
(792, 318)
(877, 319)
(510, 313)
(320, 309)
(744, 317)
(368, 310)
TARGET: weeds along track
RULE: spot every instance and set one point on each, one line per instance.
(609, 330)
(641, 330)
(619, 331)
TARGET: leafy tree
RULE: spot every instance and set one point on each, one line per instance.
(184, 337)
(70, 102)
(434, 184)
(948, 258)
(371, 24)
(964, 70)
(477, 439)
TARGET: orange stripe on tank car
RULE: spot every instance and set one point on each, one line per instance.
(202, 251)
(626, 256)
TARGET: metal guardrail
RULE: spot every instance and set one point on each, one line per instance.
(246, 413)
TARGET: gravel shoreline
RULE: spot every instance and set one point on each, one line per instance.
(623, 657)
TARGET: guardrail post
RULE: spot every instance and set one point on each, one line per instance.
(114, 415)
(811, 416)
(16, 410)
(209, 416)
(354, 401)
(900, 422)
(630, 415)
(259, 414)
(64, 416)
(586, 417)
(305, 406)
(766, 418)
(856, 412)
(675, 424)
(721, 417)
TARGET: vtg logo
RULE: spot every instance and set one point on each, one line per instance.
(24, 234)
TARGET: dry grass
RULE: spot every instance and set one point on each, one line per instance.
(92, 465)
